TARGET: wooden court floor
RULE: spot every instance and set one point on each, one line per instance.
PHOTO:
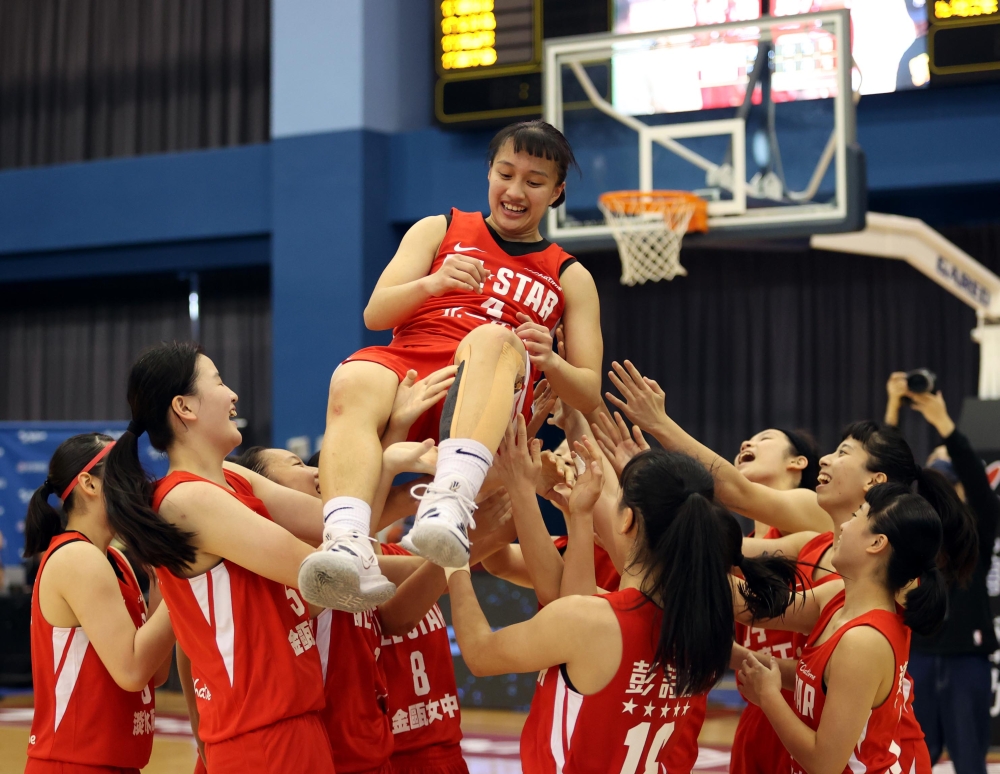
(490, 746)
(492, 736)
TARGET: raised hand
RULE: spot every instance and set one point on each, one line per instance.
(932, 406)
(615, 440)
(541, 407)
(414, 397)
(644, 402)
(457, 273)
(518, 461)
(411, 457)
(589, 483)
(537, 340)
(494, 520)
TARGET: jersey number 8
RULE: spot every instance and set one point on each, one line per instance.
(421, 685)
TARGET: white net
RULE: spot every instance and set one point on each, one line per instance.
(648, 228)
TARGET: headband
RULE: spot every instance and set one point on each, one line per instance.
(86, 469)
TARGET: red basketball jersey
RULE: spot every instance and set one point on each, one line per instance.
(423, 695)
(524, 277)
(356, 715)
(604, 569)
(756, 747)
(253, 655)
(636, 723)
(878, 748)
(81, 714)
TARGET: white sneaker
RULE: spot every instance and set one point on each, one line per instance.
(440, 532)
(344, 574)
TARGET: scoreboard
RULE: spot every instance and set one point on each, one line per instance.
(488, 53)
(963, 42)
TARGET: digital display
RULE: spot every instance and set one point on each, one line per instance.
(963, 9)
(495, 35)
(712, 71)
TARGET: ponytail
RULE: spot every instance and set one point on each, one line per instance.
(128, 494)
(914, 529)
(688, 546)
(927, 604)
(694, 558)
(960, 540)
(42, 523)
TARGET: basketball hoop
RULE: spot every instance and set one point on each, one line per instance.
(648, 227)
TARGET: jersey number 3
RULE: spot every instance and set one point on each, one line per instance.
(635, 741)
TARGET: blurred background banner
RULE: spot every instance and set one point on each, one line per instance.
(25, 450)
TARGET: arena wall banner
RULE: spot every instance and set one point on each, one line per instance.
(25, 449)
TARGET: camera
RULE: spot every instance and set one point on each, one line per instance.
(921, 380)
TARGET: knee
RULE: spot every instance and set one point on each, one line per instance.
(494, 337)
(349, 387)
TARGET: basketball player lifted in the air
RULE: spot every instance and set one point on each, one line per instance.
(482, 294)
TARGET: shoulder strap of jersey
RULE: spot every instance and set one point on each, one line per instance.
(124, 567)
(825, 615)
(813, 551)
(166, 484)
(238, 482)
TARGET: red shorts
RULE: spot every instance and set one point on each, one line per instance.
(431, 760)
(425, 357)
(756, 747)
(296, 744)
(199, 766)
(40, 766)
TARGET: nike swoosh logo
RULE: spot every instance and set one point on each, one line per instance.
(471, 454)
(459, 249)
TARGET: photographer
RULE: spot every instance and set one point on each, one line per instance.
(951, 670)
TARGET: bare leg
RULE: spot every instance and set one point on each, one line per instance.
(492, 360)
(361, 396)
(477, 411)
(344, 574)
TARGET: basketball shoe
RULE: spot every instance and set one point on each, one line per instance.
(440, 531)
(344, 573)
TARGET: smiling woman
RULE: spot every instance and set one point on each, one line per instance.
(481, 297)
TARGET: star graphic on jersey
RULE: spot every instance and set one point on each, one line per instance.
(664, 711)
(687, 707)
(648, 710)
(629, 706)
(677, 710)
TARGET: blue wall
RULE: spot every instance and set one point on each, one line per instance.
(355, 159)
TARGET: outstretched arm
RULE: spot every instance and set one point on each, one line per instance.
(643, 401)
(579, 574)
(519, 464)
(567, 631)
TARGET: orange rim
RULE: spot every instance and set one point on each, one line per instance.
(641, 202)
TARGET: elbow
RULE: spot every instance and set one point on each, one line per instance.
(397, 628)
(371, 320)
(133, 683)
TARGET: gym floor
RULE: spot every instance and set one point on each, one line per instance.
(490, 744)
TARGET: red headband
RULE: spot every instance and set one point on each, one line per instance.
(76, 479)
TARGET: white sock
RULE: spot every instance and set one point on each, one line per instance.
(347, 513)
(465, 461)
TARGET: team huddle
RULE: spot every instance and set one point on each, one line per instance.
(305, 644)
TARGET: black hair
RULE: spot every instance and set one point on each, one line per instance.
(889, 453)
(539, 139)
(802, 444)
(159, 375)
(43, 522)
(688, 544)
(253, 459)
(914, 531)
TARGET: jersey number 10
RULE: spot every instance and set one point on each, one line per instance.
(635, 740)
